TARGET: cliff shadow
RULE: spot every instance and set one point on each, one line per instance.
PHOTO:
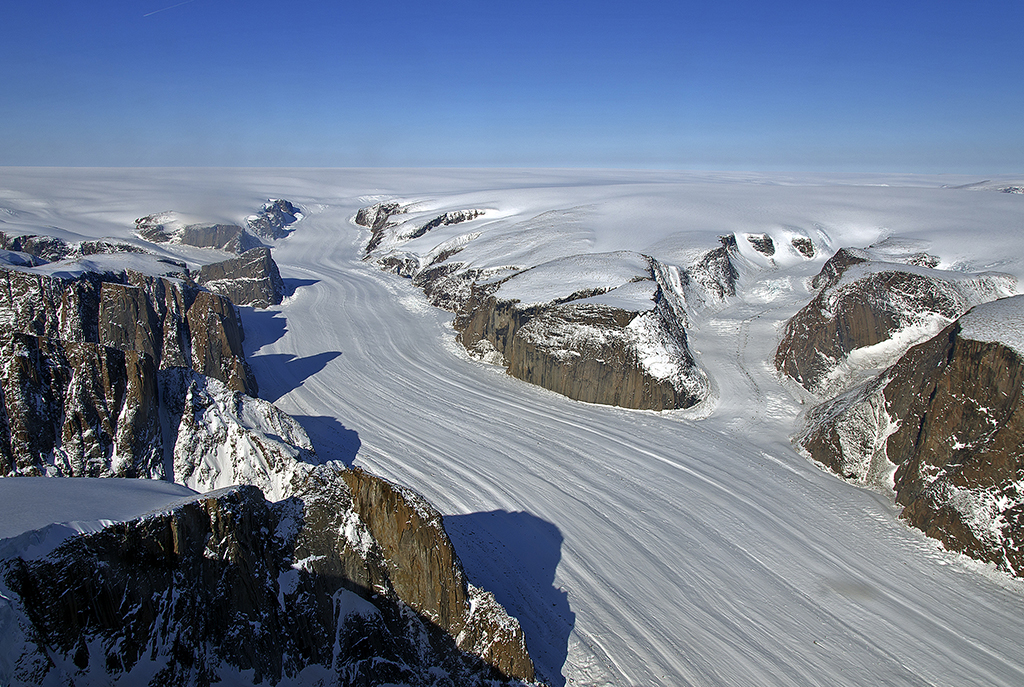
(292, 285)
(261, 327)
(514, 556)
(331, 439)
(279, 373)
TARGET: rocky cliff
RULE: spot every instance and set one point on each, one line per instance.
(85, 358)
(609, 328)
(46, 249)
(863, 302)
(250, 279)
(944, 429)
(616, 343)
(168, 227)
(226, 586)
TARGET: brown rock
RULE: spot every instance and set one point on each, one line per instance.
(948, 419)
(854, 313)
(127, 320)
(579, 350)
(250, 279)
(426, 574)
(217, 342)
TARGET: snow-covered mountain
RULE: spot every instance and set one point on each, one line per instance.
(687, 546)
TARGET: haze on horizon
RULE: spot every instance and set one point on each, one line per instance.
(869, 86)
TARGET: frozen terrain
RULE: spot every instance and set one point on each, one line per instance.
(637, 548)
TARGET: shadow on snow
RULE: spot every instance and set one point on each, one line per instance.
(514, 556)
(331, 439)
(280, 373)
(262, 327)
(291, 285)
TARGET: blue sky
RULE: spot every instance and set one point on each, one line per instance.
(863, 86)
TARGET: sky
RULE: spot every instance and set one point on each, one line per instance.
(904, 86)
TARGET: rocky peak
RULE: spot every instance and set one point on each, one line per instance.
(836, 266)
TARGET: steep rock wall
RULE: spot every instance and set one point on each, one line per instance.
(84, 358)
(252, 279)
(219, 587)
(588, 352)
(948, 424)
(227, 586)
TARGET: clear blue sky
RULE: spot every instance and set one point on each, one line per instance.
(898, 85)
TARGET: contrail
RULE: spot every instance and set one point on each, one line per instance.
(149, 14)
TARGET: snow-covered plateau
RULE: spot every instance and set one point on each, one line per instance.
(694, 546)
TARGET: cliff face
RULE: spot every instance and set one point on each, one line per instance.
(85, 359)
(863, 303)
(166, 227)
(250, 279)
(344, 580)
(228, 586)
(616, 340)
(589, 352)
(628, 350)
(943, 427)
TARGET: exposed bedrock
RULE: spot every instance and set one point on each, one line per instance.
(375, 218)
(863, 303)
(603, 328)
(44, 249)
(84, 361)
(943, 427)
(226, 585)
(274, 219)
(166, 228)
(587, 351)
(250, 279)
(425, 573)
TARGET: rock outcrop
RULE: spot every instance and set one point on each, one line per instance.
(762, 243)
(166, 227)
(85, 358)
(226, 586)
(47, 249)
(375, 218)
(250, 279)
(863, 302)
(274, 220)
(384, 232)
(344, 579)
(626, 348)
(944, 429)
(617, 343)
(803, 245)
